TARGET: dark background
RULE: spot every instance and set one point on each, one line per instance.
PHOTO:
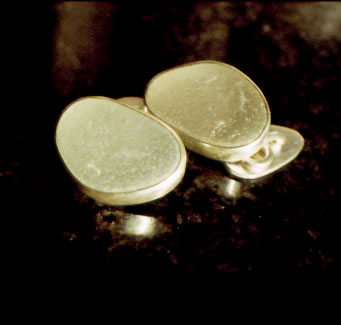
(58, 51)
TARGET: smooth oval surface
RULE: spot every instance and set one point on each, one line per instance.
(117, 154)
(214, 107)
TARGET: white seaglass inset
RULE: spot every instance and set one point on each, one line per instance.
(117, 154)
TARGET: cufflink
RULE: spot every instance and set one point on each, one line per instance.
(116, 154)
(220, 113)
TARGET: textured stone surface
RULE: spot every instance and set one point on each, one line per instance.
(285, 222)
(110, 148)
(234, 110)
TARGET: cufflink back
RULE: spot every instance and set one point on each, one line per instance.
(117, 154)
(220, 113)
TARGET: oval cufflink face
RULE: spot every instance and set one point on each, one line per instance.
(117, 154)
(216, 109)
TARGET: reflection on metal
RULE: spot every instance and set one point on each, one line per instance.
(134, 102)
(221, 113)
(117, 154)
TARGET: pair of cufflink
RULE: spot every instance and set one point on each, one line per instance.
(132, 150)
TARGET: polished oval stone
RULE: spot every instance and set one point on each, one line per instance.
(118, 155)
(216, 109)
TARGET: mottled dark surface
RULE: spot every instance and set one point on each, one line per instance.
(288, 221)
